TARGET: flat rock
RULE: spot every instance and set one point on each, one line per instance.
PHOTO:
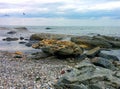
(102, 62)
(42, 36)
(93, 52)
(90, 76)
(108, 56)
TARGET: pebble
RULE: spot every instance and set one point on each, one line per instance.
(22, 74)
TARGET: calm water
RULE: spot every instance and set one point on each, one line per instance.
(82, 30)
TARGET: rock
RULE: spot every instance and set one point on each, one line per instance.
(42, 36)
(102, 62)
(4, 28)
(18, 53)
(59, 48)
(114, 41)
(30, 43)
(81, 57)
(110, 38)
(38, 55)
(11, 32)
(115, 44)
(93, 52)
(91, 42)
(90, 76)
(18, 56)
(21, 38)
(22, 42)
(21, 28)
(107, 56)
(48, 28)
(10, 39)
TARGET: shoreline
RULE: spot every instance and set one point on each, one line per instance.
(34, 69)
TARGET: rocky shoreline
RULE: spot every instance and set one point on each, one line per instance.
(76, 63)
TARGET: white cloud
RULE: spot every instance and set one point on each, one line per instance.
(12, 10)
(14, 1)
(85, 6)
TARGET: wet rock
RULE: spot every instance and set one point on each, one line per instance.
(30, 43)
(93, 52)
(21, 28)
(10, 39)
(11, 32)
(42, 36)
(91, 42)
(21, 38)
(107, 56)
(59, 48)
(114, 41)
(90, 76)
(48, 28)
(102, 62)
(22, 42)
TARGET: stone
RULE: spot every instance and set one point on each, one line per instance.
(107, 56)
(22, 42)
(11, 32)
(18, 53)
(93, 52)
(21, 38)
(21, 28)
(48, 28)
(91, 42)
(102, 62)
(42, 36)
(10, 39)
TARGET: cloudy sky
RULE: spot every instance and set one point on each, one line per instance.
(69, 12)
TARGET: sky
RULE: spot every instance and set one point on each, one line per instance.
(60, 12)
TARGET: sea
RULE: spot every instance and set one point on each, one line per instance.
(68, 30)
(78, 30)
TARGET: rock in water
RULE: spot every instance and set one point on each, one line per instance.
(11, 32)
(91, 42)
(43, 36)
(10, 39)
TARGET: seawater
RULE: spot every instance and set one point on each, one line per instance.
(80, 31)
(77, 30)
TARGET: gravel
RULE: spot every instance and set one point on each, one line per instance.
(23, 73)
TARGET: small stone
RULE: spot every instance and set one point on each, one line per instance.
(62, 72)
(18, 53)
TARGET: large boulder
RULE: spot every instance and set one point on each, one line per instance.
(88, 76)
(59, 48)
(42, 36)
(91, 42)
